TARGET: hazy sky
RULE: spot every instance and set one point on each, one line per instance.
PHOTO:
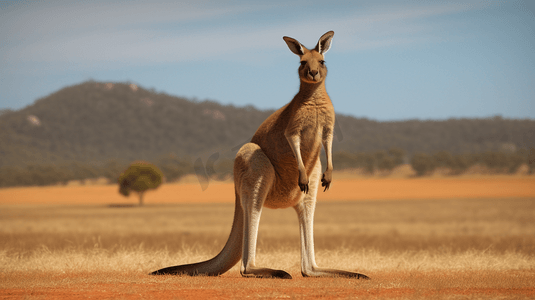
(390, 60)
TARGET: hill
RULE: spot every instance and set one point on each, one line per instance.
(101, 121)
(98, 122)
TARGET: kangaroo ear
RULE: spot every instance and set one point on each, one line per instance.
(324, 44)
(294, 46)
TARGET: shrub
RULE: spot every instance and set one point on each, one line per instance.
(422, 163)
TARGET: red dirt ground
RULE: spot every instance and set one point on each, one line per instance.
(385, 286)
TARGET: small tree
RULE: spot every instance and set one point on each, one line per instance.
(397, 154)
(140, 177)
(422, 163)
(444, 159)
(461, 162)
(386, 163)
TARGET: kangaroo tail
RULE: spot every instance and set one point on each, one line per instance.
(222, 262)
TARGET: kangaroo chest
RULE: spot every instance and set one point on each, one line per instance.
(309, 123)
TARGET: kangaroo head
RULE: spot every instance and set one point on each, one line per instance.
(312, 69)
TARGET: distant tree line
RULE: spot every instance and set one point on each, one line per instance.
(495, 162)
(173, 167)
(369, 161)
(50, 174)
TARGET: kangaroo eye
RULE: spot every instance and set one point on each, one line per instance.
(303, 63)
(322, 62)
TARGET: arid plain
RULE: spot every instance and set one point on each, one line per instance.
(467, 237)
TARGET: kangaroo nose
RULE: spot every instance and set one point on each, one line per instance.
(313, 73)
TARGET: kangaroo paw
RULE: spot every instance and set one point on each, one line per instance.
(326, 180)
(325, 183)
(304, 187)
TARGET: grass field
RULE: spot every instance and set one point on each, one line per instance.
(412, 247)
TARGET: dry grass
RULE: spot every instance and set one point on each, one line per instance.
(413, 249)
(497, 234)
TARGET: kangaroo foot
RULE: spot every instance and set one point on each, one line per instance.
(333, 273)
(266, 273)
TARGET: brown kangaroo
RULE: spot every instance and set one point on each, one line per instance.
(281, 168)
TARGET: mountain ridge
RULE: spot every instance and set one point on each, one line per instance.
(98, 121)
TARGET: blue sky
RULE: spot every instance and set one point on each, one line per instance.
(390, 60)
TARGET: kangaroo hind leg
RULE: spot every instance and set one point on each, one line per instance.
(305, 212)
(254, 176)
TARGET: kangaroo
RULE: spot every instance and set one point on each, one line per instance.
(281, 168)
